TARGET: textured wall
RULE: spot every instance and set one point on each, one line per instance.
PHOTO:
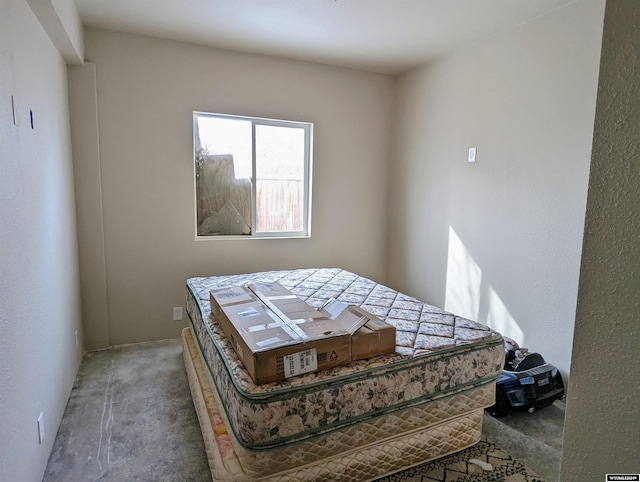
(602, 431)
(499, 240)
(83, 112)
(39, 288)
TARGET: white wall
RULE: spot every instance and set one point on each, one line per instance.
(39, 292)
(83, 110)
(602, 429)
(147, 90)
(61, 22)
(499, 240)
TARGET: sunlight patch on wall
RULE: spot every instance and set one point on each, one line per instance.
(462, 295)
(499, 318)
(468, 295)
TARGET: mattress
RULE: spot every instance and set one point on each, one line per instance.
(444, 368)
(360, 461)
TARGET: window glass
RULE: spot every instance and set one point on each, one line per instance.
(280, 174)
(252, 176)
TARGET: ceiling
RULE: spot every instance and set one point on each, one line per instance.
(387, 36)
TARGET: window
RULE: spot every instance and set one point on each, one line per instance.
(252, 176)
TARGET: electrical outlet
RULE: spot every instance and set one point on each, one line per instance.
(41, 428)
(177, 313)
(472, 154)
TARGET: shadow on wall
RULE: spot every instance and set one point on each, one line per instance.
(467, 296)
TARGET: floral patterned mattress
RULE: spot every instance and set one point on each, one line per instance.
(365, 451)
(438, 355)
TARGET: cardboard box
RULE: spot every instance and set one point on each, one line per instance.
(277, 335)
(374, 337)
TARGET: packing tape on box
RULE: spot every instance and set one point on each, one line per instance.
(289, 326)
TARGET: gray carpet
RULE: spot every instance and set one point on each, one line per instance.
(130, 418)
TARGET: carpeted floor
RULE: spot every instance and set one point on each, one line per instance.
(130, 417)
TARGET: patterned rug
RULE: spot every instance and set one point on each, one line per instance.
(469, 465)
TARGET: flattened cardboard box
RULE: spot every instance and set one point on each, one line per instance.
(277, 335)
(272, 348)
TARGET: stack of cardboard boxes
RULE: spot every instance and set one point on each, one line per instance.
(277, 335)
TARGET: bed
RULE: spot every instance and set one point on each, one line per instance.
(356, 422)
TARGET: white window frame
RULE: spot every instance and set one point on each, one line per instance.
(308, 164)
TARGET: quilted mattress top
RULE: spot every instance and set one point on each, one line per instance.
(422, 330)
